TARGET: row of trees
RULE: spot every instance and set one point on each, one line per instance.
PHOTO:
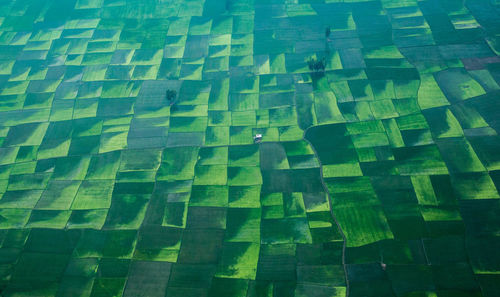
(319, 64)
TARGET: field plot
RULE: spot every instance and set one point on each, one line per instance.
(249, 148)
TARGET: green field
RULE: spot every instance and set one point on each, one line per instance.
(378, 173)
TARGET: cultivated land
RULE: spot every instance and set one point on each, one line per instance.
(377, 174)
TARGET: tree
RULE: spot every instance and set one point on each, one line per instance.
(327, 32)
(311, 64)
(171, 96)
(316, 65)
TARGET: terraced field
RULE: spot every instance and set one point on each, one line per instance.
(128, 165)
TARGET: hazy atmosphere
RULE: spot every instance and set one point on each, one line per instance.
(249, 148)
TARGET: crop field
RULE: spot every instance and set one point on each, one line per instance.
(128, 165)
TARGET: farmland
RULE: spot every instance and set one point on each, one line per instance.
(128, 164)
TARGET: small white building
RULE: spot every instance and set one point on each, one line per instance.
(257, 138)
